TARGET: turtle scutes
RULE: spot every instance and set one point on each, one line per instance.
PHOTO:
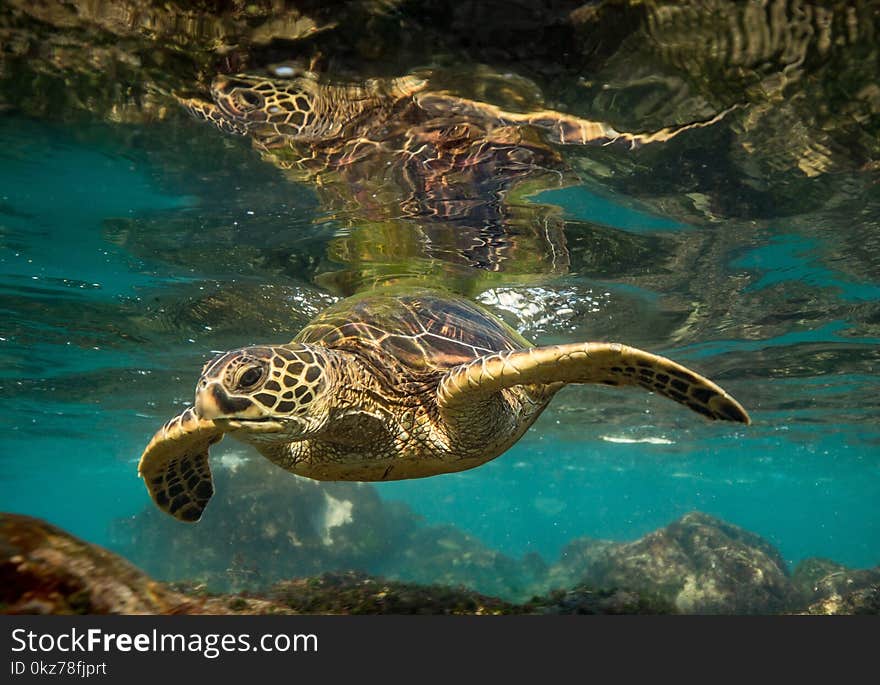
(387, 387)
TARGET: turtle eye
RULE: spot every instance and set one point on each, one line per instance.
(250, 377)
(248, 99)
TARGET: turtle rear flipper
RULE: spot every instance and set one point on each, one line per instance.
(175, 467)
(606, 363)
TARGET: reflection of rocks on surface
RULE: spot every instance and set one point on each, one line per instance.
(67, 49)
(636, 64)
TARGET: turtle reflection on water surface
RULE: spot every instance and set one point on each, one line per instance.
(392, 386)
(398, 127)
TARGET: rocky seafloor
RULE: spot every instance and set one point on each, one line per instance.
(696, 565)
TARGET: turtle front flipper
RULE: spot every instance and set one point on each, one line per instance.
(606, 363)
(561, 128)
(175, 465)
(570, 130)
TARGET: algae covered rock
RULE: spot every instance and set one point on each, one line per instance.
(357, 593)
(577, 559)
(264, 527)
(44, 570)
(587, 600)
(699, 563)
(863, 601)
(826, 587)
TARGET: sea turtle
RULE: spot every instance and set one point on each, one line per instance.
(388, 386)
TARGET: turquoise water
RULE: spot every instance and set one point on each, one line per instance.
(105, 253)
(136, 243)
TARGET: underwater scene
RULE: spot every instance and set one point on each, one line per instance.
(319, 240)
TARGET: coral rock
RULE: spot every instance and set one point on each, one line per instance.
(44, 570)
(827, 587)
(700, 564)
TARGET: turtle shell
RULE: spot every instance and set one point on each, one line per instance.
(413, 335)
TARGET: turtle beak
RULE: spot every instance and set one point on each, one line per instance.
(209, 402)
(213, 402)
(232, 413)
(222, 100)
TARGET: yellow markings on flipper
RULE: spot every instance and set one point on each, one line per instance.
(605, 363)
(175, 467)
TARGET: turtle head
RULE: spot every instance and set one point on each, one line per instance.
(267, 393)
(288, 106)
(276, 112)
